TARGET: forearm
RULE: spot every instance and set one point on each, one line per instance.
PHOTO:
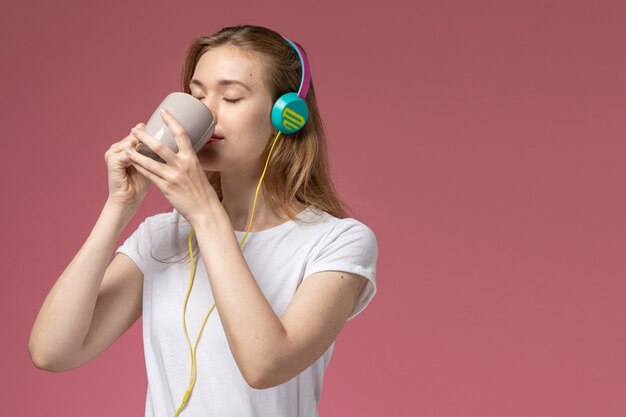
(255, 333)
(65, 316)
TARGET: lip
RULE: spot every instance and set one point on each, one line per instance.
(213, 139)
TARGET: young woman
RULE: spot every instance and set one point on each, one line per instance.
(280, 300)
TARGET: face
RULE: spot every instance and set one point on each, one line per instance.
(229, 81)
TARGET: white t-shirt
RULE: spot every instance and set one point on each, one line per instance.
(279, 258)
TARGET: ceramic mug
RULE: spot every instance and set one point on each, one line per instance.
(191, 114)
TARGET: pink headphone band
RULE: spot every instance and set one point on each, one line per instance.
(306, 72)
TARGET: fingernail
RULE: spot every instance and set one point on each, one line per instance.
(163, 112)
(135, 131)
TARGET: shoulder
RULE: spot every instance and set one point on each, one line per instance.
(162, 231)
(343, 243)
(348, 228)
(170, 220)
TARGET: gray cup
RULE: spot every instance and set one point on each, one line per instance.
(192, 115)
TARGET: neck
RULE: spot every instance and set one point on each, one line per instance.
(238, 197)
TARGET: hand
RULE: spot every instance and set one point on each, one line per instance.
(181, 178)
(127, 187)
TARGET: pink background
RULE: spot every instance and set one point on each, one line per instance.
(482, 141)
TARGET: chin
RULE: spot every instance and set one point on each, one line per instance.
(208, 160)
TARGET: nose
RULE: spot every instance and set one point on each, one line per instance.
(212, 108)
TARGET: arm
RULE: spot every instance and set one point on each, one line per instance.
(66, 315)
(270, 350)
(267, 349)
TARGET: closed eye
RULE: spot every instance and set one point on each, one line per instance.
(229, 100)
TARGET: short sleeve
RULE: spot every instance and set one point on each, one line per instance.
(135, 247)
(352, 247)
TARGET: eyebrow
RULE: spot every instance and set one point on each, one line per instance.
(221, 83)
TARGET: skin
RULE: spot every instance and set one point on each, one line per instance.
(92, 304)
(244, 124)
(268, 349)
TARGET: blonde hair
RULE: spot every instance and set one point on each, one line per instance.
(298, 170)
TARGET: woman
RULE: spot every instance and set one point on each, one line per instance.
(280, 300)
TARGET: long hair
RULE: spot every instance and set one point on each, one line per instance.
(298, 170)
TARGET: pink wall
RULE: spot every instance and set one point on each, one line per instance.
(482, 141)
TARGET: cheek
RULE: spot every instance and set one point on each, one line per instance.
(256, 122)
(260, 124)
(262, 119)
(249, 126)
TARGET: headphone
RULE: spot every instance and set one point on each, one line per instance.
(289, 115)
(290, 112)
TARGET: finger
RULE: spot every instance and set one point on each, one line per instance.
(117, 152)
(180, 136)
(117, 159)
(134, 140)
(155, 145)
(129, 140)
(127, 143)
(158, 181)
(157, 169)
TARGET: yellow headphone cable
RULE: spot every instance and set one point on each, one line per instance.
(192, 272)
